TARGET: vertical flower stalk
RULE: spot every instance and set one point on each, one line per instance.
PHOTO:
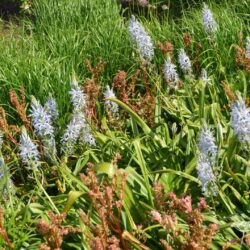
(72, 132)
(78, 129)
(204, 76)
(184, 62)
(86, 136)
(51, 108)
(28, 150)
(141, 40)
(208, 20)
(170, 73)
(42, 122)
(240, 121)
(206, 162)
(112, 107)
(78, 98)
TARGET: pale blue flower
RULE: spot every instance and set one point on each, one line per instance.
(87, 136)
(51, 108)
(207, 144)
(78, 98)
(170, 73)
(208, 20)
(112, 106)
(206, 175)
(77, 130)
(208, 152)
(28, 150)
(204, 76)
(141, 39)
(184, 62)
(240, 120)
(72, 132)
(41, 120)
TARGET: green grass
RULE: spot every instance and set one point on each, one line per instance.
(43, 51)
(43, 54)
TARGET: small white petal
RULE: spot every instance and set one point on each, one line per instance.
(41, 120)
(208, 20)
(141, 39)
(240, 120)
(207, 143)
(51, 108)
(112, 106)
(28, 150)
(170, 73)
(184, 61)
(204, 76)
(206, 162)
(77, 129)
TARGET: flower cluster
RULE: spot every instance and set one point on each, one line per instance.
(78, 128)
(142, 39)
(42, 122)
(78, 98)
(197, 235)
(207, 159)
(53, 232)
(240, 120)
(170, 73)
(51, 108)
(207, 143)
(72, 132)
(208, 20)
(28, 150)
(112, 107)
(204, 76)
(143, 3)
(185, 62)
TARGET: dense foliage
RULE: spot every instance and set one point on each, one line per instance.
(125, 131)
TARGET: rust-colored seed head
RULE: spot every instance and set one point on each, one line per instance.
(230, 94)
(42, 227)
(166, 48)
(187, 39)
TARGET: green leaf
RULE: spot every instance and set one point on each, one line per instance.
(144, 169)
(82, 161)
(180, 173)
(105, 168)
(138, 120)
(72, 197)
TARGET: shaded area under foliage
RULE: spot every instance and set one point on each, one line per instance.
(9, 8)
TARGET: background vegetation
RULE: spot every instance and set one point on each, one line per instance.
(153, 147)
